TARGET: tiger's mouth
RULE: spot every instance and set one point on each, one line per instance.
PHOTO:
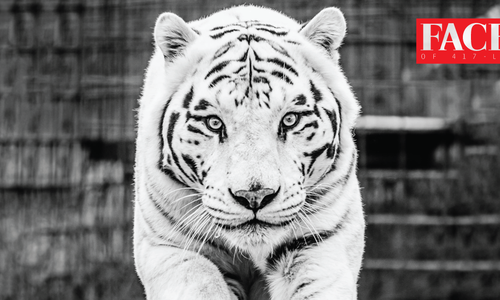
(255, 224)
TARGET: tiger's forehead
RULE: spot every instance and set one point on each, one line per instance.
(217, 32)
(255, 65)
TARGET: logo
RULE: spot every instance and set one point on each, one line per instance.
(458, 41)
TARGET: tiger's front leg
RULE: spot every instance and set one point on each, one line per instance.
(323, 271)
(170, 273)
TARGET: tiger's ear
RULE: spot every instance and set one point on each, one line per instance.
(327, 29)
(172, 35)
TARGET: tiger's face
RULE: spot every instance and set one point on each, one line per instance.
(252, 128)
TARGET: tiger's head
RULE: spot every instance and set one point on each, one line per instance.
(248, 122)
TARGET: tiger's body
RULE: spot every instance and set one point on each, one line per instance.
(245, 171)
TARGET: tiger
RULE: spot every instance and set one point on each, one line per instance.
(245, 170)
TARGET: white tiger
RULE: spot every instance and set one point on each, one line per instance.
(245, 170)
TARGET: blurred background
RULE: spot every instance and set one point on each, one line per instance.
(71, 74)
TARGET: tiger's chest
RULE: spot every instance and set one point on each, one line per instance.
(240, 272)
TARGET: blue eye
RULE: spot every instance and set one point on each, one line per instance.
(290, 120)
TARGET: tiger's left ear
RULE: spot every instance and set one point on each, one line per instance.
(172, 35)
(327, 29)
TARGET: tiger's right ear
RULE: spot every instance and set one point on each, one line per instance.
(172, 35)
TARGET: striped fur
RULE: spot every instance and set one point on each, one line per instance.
(245, 171)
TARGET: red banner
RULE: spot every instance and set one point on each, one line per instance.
(458, 41)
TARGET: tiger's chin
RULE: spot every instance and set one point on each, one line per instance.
(256, 236)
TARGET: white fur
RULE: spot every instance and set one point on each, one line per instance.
(174, 265)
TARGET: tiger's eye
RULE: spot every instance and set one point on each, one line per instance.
(290, 120)
(214, 123)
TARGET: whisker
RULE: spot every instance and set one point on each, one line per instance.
(184, 206)
(186, 218)
(199, 224)
(315, 232)
(183, 197)
(192, 217)
(207, 233)
(182, 189)
(299, 225)
(304, 221)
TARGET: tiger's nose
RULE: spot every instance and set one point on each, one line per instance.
(254, 199)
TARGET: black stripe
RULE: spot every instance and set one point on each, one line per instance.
(338, 103)
(217, 68)
(220, 210)
(223, 50)
(188, 98)
(191, 164)
(326, 42)
(163, 212)
(301, 286)
(202, 105)
(260, 79)
(281, 76)
(311, 124)
(196, 130)
(278, 48)
(217, 80)
(244, 57)
(297, 244)
(250, 75)
(315, 154)
(316, 93)
(160, 165)
(300, 100)
(340, 110)
(257, 57)
(308, 113)
(174, 117)
(218, 27)
(239, 69)
(333, 121)
(267, 25)
(340, 120)
(282, 33)
(343, 180)
(302, 169)
(250, 37)
(312, 199)
(332, 151)
(316, 111)
(195, 117)
(303, 25)
(160, 136)
(259, 70)
(221, 34)
(283, 64)
(228, 25)
(172, 176)
(148, 223)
